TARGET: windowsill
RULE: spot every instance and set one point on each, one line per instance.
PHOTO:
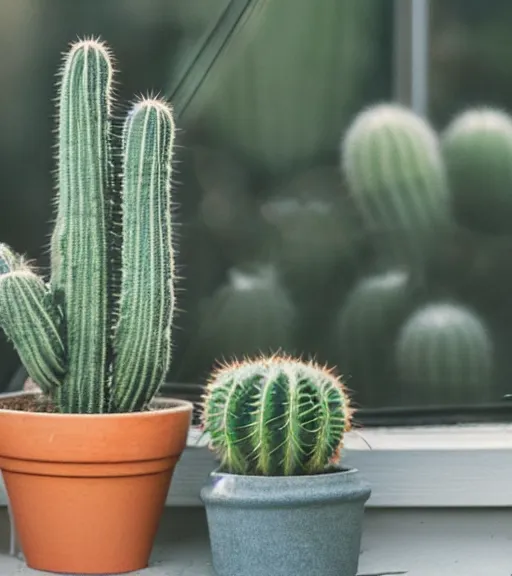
(408, 542)
(427, 466)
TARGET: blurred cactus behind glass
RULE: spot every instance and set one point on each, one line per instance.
(313, 225)
(249, 314)
(97, 337)
(477, 148)
(364, 329)
(393, 167)
(276, 417)
(293, 72)
(226, 208)
(444, 355)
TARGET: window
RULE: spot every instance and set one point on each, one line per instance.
(272, 253)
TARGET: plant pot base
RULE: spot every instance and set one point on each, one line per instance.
(87, 491)
(80, 547)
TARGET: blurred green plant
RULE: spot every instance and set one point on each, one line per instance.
(250, 314)
(444, 356)
(396, 176)
(364, 329)
(477, 148)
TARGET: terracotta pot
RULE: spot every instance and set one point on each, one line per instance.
(87, 491)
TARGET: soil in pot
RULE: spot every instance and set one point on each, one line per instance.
(87, 491)
(286, 525)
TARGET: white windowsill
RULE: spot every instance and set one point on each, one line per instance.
(448, 466)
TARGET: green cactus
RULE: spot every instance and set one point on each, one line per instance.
(394, 169)
(142, 346)
(32, 321)
(8, 259)
(276, 417)
(250, 314)
(477, 148)
(363, 329)
(444, 355)
(97, 338)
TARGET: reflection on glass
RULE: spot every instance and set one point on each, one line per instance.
(265, 196)
(342, 226)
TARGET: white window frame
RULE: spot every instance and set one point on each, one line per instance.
(462, 466)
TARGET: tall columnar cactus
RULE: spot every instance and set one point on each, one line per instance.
(276, 416)
(393, 166)
(477, 148)
(444, 355)
(97, 337)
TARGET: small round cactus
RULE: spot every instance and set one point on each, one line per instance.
(395, 172)
(444, 355)
(276, 416)
(477, 148)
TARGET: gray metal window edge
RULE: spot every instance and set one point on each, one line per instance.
(411, 54)
(195, 71)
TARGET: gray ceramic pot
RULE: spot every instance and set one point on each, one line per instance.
(286, 526)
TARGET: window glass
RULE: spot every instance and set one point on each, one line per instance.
(277, 251)
(469, 53)
(470, 101)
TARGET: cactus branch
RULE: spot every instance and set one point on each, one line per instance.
(143, 335)
(8, 259)
(79, 242)
(31, 320)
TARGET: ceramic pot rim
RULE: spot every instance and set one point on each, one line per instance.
(342, 485)
(336, 472)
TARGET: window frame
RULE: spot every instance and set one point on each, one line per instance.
(417, 467)
(411, 54)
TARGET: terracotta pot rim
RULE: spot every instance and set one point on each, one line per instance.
(177, 406)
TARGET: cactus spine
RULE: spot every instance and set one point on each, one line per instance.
(276, 416)
(477, 148)
(394, 169)
(97, 338)
(444, 355)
